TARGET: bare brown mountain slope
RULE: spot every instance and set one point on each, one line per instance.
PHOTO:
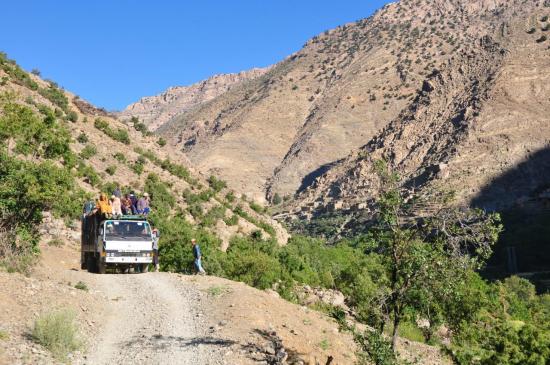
(479, 127)
(157, 110)
(277, 132)
(109, 160)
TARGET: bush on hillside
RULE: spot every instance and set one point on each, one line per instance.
(57, 332)
(72, 116)
(88, 151)
(41, 136)
(26, 190)
(216, 184)
(162, 200)
(230, 197)
(111, 170)
(119, 134)
(140, 127)
(82, 138)
(56, 96)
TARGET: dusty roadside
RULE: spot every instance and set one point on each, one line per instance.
(161, 318)
(167, 318)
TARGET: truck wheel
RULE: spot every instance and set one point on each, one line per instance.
(83, 263)
(144, 268)
(101, 266)
(90, 263)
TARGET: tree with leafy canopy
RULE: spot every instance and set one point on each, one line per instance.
(426, 260)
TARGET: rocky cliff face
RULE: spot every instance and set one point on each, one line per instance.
(157, 110)
(478, 127)
(453, 89)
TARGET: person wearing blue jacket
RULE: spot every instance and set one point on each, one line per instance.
(197, 256)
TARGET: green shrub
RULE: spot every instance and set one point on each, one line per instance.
(57, 332)
(119, 134)
(507, 324)
(161, 142)
(88, 151)
(138, 166)
(81, 285)
(72, 116)
(162, 200)
(374, 349)
(148, 154)
(216, 184)
(256, 207)
(120, 157)
(212, 216)
(230, 197)
(232, 221)
(252, 264)
(26, 190)
(16, 73)
(266, 227)
(41, 136)
(111, 170)
(140, 127)
(4, 335)
(195, 210)
(82, 138)
(55, 95)
(277, 199)
(177, 170)
(88, 172)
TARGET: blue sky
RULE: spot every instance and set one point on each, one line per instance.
(114, 52)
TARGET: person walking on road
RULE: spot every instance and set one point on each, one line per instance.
(197, 255)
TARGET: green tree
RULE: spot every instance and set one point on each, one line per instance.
(425, 260)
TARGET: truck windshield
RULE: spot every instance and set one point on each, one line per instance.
(127, 231)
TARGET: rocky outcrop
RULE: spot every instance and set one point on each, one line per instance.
(477, 127)
(159, 109)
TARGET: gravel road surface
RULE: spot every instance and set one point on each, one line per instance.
(155, 319)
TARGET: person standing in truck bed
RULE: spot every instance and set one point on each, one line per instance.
(116, 206)
(103, 205)
(143, 204)
(126, 204)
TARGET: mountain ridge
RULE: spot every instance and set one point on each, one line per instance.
(159, 109)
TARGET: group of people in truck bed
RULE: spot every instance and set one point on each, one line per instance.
(120, 204)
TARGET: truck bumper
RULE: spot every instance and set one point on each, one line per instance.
(128, 260)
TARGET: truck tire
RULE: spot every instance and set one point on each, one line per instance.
(83, 264)
(101, 266)
(143, 268)
(90, 263)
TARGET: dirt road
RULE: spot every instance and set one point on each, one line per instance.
(155, 319)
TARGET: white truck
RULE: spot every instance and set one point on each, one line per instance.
(122, 243)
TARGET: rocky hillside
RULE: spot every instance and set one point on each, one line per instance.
(477, 127)
(108, 152)
(466, 59)
(154, 111)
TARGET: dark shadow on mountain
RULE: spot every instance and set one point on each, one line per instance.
(520, 185)
(522, 196)
(310, 178)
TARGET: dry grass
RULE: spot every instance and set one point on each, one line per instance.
(57, 332)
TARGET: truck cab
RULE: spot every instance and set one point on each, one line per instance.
(124, 242)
